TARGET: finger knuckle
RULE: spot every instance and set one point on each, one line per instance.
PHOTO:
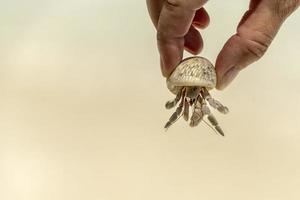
(163, 37)
(160, 36)
(256, 49)
(256, 42)
(283, 9)
(171, 4)
(187, 4)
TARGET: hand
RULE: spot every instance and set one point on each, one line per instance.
(176, 22)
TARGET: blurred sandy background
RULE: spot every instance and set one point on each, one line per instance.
(82, 110)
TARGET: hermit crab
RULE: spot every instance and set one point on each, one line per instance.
(190, 82)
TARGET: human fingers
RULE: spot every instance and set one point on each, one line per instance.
(154, 9)
(193, 42)
(174, 23)
(201, 18)
(254, 35)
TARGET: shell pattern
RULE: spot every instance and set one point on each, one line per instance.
(193, 71)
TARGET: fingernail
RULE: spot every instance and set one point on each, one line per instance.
(227, 78)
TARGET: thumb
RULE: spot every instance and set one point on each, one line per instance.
(254, 35)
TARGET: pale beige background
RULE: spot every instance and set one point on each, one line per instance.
(82, 110)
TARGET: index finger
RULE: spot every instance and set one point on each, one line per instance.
(174, 23)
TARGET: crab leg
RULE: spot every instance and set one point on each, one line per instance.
(197, 115)
(204, 107)
(211, 118)
(215, 123)
(172, 103)
(186, 110)
(177, 114)
(213, 102)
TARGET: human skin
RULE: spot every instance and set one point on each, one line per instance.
(177, 21)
